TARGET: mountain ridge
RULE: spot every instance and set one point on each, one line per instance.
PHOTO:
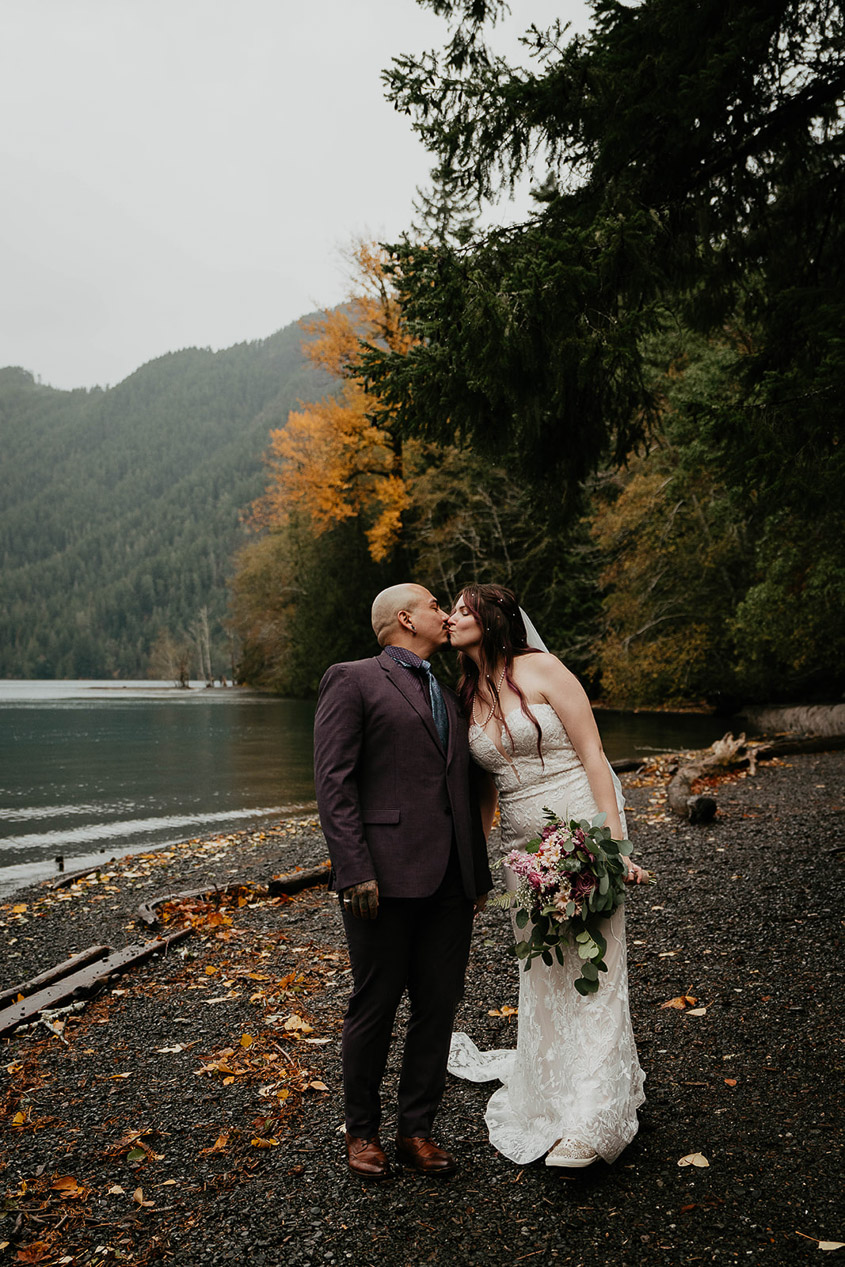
(122, 506)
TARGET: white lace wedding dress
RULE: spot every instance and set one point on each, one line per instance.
(575, 1070)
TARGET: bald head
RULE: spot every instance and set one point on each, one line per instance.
(389, 603)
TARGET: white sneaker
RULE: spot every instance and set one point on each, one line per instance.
(570, 1153)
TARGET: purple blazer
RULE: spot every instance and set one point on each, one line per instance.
(390, 799)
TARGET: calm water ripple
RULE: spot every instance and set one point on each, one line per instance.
(94, 768)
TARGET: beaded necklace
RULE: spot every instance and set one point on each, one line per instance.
(481, 725)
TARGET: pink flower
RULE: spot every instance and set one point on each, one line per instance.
(520, 863)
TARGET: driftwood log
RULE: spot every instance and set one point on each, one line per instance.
(296, 881)
(728, 753)
(75, 978)
(147, 911)
(290, 882)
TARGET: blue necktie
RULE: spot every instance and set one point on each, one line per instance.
(438, 707)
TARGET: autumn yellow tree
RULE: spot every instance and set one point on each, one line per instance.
(336, 458)
(352, 506)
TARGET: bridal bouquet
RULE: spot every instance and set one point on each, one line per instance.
(571, 878)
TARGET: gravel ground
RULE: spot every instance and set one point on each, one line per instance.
(191, 1114)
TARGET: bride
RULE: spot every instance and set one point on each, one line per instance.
(573, 1085)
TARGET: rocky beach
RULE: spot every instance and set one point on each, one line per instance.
(190, 1111)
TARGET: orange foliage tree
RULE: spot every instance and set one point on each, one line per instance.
(337, 458)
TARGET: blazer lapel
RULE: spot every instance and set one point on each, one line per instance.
(455, 720)
(401, 680)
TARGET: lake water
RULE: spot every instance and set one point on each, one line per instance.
(93, 768)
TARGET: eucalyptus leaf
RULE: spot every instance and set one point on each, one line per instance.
(522, 918)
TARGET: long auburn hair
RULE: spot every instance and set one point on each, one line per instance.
(497, 612)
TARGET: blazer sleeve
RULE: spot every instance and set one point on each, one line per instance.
(338, 744)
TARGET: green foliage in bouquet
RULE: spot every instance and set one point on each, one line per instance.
(572, 878)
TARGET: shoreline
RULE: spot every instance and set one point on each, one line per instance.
(108, 857)
(209, 1081)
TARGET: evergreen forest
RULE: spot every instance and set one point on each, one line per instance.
(122, 509)
(628, 407)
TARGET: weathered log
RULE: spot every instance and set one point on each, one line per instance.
(63, 881)
(63, 969)
(291, 882)
(735, 754)
(698, 809)
(296, 881)
(81, 981)
(723, 754)
(792, 745)
(147, 911)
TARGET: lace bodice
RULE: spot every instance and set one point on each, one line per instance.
(528, 780)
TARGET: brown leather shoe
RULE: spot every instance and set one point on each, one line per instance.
(366, 1157)
(424, 1155)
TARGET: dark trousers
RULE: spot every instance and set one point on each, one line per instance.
(418, 944)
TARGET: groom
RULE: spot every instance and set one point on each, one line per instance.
(409, 862)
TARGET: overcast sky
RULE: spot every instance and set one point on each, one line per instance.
(184, 173)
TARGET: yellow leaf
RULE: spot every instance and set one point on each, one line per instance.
(505, 1010)
(210, 969)
(264, 1143)
(19, 908)
(681, 1003)
(218, 1146)
(67, 1187)
(694, 1159)
(18, 1119)
(247, 1040)
(227, 1082)
(296, 1025)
